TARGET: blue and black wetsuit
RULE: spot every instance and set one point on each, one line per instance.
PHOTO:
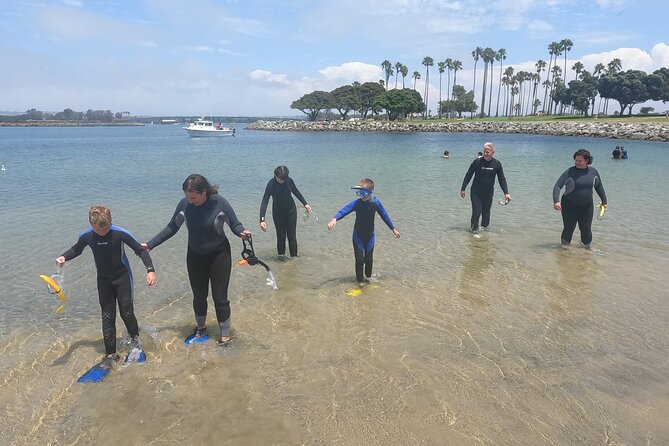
(208, 258)
(284, 212)
(363, 232)
(482, 190)
(576, 203)
(115, 283)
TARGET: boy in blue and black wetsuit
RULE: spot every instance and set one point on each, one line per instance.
(114, 275)
(365, 209)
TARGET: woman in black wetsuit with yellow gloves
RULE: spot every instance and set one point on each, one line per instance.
(576, 204)
(284, 213)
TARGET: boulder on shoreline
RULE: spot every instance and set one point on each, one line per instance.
(648, 131)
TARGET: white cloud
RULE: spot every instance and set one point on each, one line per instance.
(539, 28)
(352, 71)
(631, 58)
(660, 54)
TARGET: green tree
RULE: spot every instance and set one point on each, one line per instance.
(312, 103)
(416, 76)
(442, 68)
(345, 99)
(663, 74)
(627, 87)
(462, 101)
(367, 92)
(399, 103)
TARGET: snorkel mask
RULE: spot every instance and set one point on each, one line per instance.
(362, 191)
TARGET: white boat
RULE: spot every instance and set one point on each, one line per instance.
(204, 127)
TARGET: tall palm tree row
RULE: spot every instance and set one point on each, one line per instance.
(501, 57)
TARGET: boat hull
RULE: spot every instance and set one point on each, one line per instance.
(207, 133)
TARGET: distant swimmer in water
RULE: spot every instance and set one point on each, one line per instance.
(446, 154)
(616, 153)
(2, 167)
(479, 155)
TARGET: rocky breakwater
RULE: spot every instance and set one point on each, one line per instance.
(649, 131)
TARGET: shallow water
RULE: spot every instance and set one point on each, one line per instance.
(506, 339)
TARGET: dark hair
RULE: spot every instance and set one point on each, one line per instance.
(281, 172)
(198, 183)
(585, 154)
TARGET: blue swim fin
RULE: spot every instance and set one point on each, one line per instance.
(96, 373)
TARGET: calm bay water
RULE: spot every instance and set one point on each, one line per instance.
(506, 339)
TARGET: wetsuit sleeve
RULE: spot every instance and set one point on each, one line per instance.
(265, 200)
(384, 215)
(296, 192)
(77, 248)
(469, 174)
(502, 179)
(559, 184)
(139, 250)
(171, 228)
(235, 225)
(343, 212)
(599, 188)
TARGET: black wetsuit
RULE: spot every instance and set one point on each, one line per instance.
(482, 190)
(284, 212)
(115, 283)
(363, 232)
(208, 258)
(576, 203)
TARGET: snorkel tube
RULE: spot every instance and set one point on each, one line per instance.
(54, 286)
(249, 258)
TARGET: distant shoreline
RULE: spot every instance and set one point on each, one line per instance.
(65, 123)
(647, 131)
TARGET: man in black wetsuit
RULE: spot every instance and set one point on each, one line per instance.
(484, 171)
(115, 282)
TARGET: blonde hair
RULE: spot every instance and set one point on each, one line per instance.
(367, 183)
(99, 216)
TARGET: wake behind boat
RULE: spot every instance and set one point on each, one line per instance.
(204, 127)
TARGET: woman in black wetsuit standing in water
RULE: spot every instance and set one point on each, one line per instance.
(284, 213)
(576, 204)
(208, 260)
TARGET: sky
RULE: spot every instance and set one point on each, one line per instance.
(255, 57)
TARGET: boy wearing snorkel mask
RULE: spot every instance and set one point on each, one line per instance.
(365, 208)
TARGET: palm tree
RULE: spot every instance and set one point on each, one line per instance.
(405, 72)
(398, 71)
(476, 54)
(612, 68)
(492, 62)
(416, 76)
(501, 57)
(456, 65)
(427, 62)
(442, 68)
(557, 71)
(488, 56)
(541, 64)
(387, 69)
(566, 45)
(508, 81)
(449, 66)
(554, 49)
(577, 67)
(600, 69)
